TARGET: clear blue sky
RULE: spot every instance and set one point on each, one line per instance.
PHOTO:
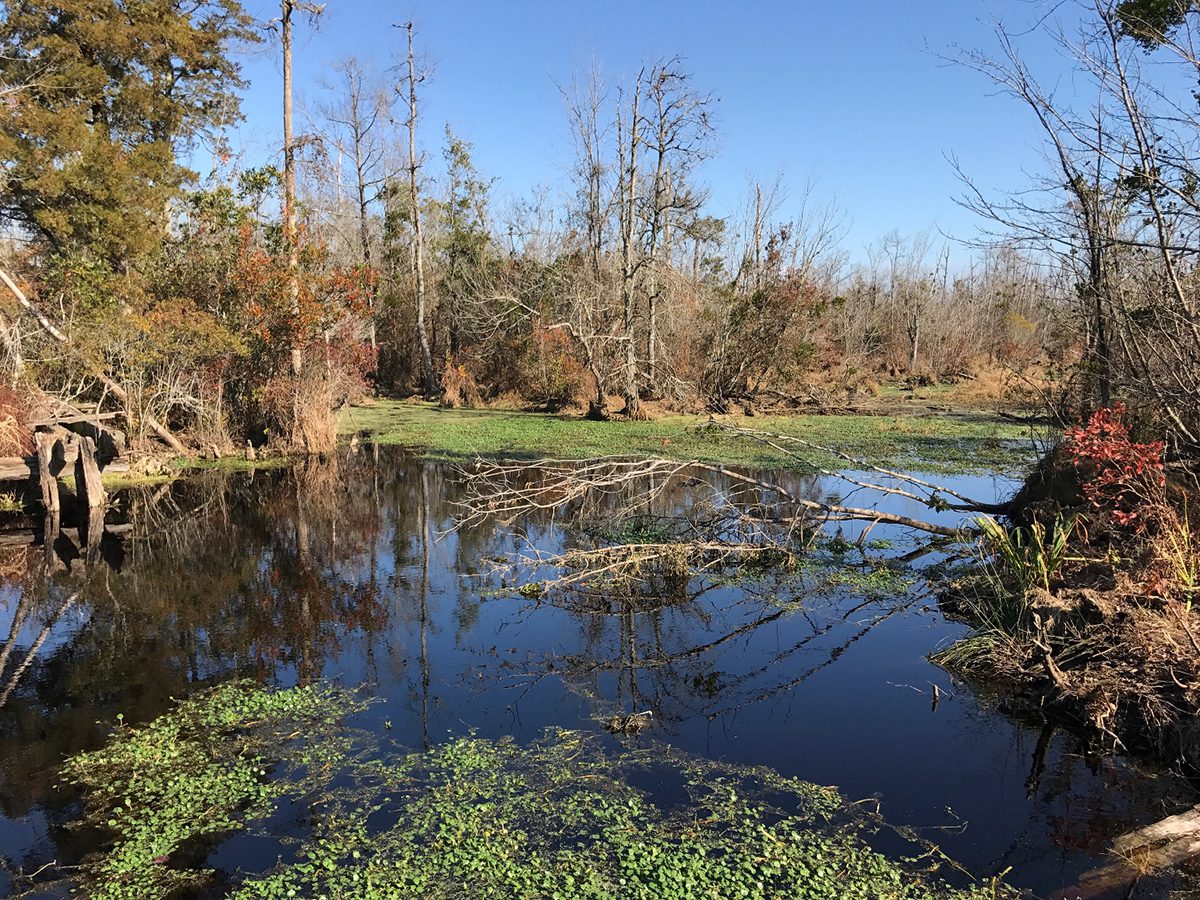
(852, 96)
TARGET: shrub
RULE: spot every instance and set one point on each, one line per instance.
(16, 437)
(1119, 477)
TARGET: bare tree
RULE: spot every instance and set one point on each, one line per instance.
(585, 100)
(629, 142)
(428, 378)
(359, 114)
(1128, 161)
(680, 127)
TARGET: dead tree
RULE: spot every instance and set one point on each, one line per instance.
(764, 519)
(584, 103)
(428, 379)
(359, 112)
(680, 125)
(629, 142)
(1127, 160)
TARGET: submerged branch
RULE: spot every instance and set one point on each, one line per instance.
(507, 490)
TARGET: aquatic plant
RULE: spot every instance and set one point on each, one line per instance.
(197, 772)
(1027, 556)
(558, 818)
(472, 817)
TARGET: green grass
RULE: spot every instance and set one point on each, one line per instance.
(179, 467)
(960, 443)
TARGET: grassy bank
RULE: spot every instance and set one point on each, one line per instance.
(966, 442)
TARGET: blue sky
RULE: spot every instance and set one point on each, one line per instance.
(853, 97)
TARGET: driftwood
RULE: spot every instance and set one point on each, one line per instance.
(503, 490)
(46, 481)
(1166, 843)
(73, 419)
(25, 468)
(87, 476)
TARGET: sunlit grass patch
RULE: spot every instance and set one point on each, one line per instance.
(963, 443)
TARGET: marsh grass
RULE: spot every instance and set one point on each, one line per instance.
(960, 443)
(1027, 556)
(1012, 563)
(1179, 545)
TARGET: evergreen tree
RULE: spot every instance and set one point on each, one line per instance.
(104, 96)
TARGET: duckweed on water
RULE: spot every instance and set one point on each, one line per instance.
(477, 818)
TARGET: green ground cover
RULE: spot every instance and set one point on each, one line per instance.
(965, 442)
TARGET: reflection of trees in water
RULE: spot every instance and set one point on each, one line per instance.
(291, 575)
(219, 575)
(683, 655)
(664, 638)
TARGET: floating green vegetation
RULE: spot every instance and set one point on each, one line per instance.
(637, 530)
(471, 818)
(871, 580)
(974, 442)
(199, 771)
(559, 819)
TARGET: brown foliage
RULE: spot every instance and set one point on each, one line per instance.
(16, 437)
(458, 387)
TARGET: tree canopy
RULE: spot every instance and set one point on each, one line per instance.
(100, 98)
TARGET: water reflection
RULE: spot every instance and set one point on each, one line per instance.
(353, 571)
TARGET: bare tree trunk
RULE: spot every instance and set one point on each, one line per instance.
(428, 381)
(628, 267)
(289, 183)
(364, 230)
(758, 236)
(658, 225)
(914, 337)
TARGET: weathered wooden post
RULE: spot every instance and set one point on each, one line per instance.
(46, 481)
(90, 534)
(87, 475)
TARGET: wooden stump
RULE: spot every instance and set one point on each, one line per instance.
(87, 476)
(46, 481)
(90, 535)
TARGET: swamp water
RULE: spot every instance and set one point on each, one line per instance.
(350, 574)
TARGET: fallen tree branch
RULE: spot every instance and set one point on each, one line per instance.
(505, 490)
(119, 392)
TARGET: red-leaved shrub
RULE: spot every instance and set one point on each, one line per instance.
(1119, 476)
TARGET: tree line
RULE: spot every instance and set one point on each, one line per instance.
(373, 257)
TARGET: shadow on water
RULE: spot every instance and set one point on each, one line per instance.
(352, 572)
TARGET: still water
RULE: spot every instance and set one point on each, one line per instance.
(352, 571)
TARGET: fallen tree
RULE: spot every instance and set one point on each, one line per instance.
(161, 430)
(739, 518)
